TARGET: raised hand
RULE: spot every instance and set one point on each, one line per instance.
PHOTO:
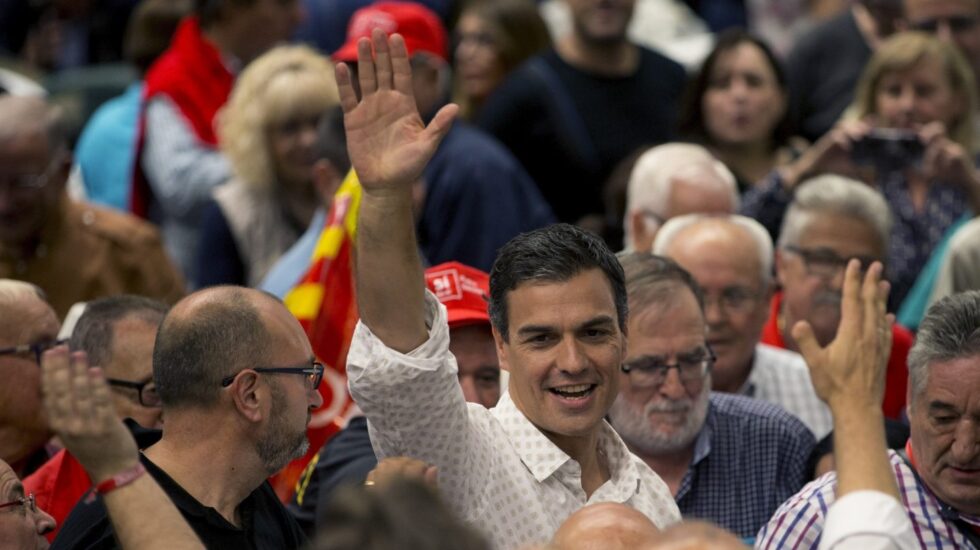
(389, 145)
(851, 368)
(395, 467)
(80, 411)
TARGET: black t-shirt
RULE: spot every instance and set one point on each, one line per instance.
(265, 522)
(570, 128)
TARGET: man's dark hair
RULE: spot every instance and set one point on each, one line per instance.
(93, 331)
(404, 514)
(193, 353)
(331, 141)
(552, 254)
(210, 12)
(652, 279)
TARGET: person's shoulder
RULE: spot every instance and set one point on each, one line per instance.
(798, 522)
(87, 527)
(782, 363)
(660, 62)
(115, 227)
(755, 413)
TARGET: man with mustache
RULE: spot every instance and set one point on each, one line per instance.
(726, 458)
(831, 220)
(731, 259)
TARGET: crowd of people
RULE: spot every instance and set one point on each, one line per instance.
(784, 353)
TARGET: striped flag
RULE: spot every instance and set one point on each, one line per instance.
(325, 304)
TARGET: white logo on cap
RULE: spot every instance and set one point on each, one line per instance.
(366, 21)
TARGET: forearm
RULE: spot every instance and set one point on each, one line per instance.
(861, 453)
(388, 271)
(144, 517)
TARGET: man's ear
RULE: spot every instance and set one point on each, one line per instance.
(249, 396)
(780, 267)
(502, 349)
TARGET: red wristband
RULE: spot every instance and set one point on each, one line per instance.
(121, 479)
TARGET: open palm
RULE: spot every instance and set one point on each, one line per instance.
(389, 145)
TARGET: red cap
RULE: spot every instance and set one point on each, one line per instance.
(464, 291)
(418, 25)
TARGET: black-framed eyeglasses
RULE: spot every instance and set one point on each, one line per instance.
(37, 348)
(651, 372)
(27, 502)
(312, 370)
(956, 23)
(33, 182)
(146, 390)
(825, 263)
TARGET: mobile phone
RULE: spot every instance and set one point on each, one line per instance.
(888, 149)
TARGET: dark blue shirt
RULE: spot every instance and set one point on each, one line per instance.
(748, 459)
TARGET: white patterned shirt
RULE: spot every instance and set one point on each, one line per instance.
(496, 469)
(781, 377)
(867, 520)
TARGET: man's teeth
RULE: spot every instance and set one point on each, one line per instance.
(573, 391)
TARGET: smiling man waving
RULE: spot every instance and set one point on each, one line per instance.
(558, 310)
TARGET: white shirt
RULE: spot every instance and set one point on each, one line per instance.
(781, 377)
(868, 520)
(496, 469)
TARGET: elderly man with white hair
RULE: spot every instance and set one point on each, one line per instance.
(671, 180)
(731, 258)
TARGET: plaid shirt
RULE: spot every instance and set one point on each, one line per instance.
(799, 522)
(748, 459)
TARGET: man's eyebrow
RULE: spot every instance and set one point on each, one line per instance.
(599, 321)
(941, 406)
(528, 330)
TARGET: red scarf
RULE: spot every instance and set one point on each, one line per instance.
(192, 75)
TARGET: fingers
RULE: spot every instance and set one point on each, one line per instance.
(432, 476)
(441, 123)
(873, 308)
(56, 386)
(400, 66)
(851, 312)
(348, 98)
(365, 67)
(382, 59)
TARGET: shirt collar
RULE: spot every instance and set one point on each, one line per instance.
(543, 458)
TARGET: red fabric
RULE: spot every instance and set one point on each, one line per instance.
(57, 487)
(896, 377)
(192, 74)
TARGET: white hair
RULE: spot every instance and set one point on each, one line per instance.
(755, 230)
(835, 194)
(658, 168)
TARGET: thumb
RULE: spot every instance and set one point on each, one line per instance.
(806, 340)
(441, 123)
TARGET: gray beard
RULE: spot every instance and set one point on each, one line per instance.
(634, 426)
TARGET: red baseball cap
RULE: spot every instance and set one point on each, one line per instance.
(464, 291)
(418, 25)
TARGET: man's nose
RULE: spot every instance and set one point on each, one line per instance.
(571, 358)
(469, 389)
(43, 522)
(944, 31)
(966, 443)
(673, 387)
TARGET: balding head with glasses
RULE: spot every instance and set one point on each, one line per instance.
(22, 523)
(28, 326)
(729, 459)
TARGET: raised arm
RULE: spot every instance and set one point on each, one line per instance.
(80, 411)
(389, 146)
(849, 375)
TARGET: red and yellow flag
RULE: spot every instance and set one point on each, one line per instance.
(326, 306)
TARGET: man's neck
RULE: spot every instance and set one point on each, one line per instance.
(751, 161)
(612, 59)
(16, 446)
(671, 467)
(593, 462)
(210, 471)
(732, 384)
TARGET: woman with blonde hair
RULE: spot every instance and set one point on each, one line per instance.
(909, 133)
(269, 130)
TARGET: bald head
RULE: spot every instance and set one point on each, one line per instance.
(697, 535)
(24, 117)
(211, 334)
(605, 526)
(26, 314)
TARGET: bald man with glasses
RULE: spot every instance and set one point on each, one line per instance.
(237, 382)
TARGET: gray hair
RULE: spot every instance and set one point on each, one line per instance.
(93, 332)
(835, 194)
(654, 173)
(950, 330)
(654, 280)
(755, 230)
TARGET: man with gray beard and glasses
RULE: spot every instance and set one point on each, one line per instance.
(238, 381)
(728, 459)
(831, 220)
